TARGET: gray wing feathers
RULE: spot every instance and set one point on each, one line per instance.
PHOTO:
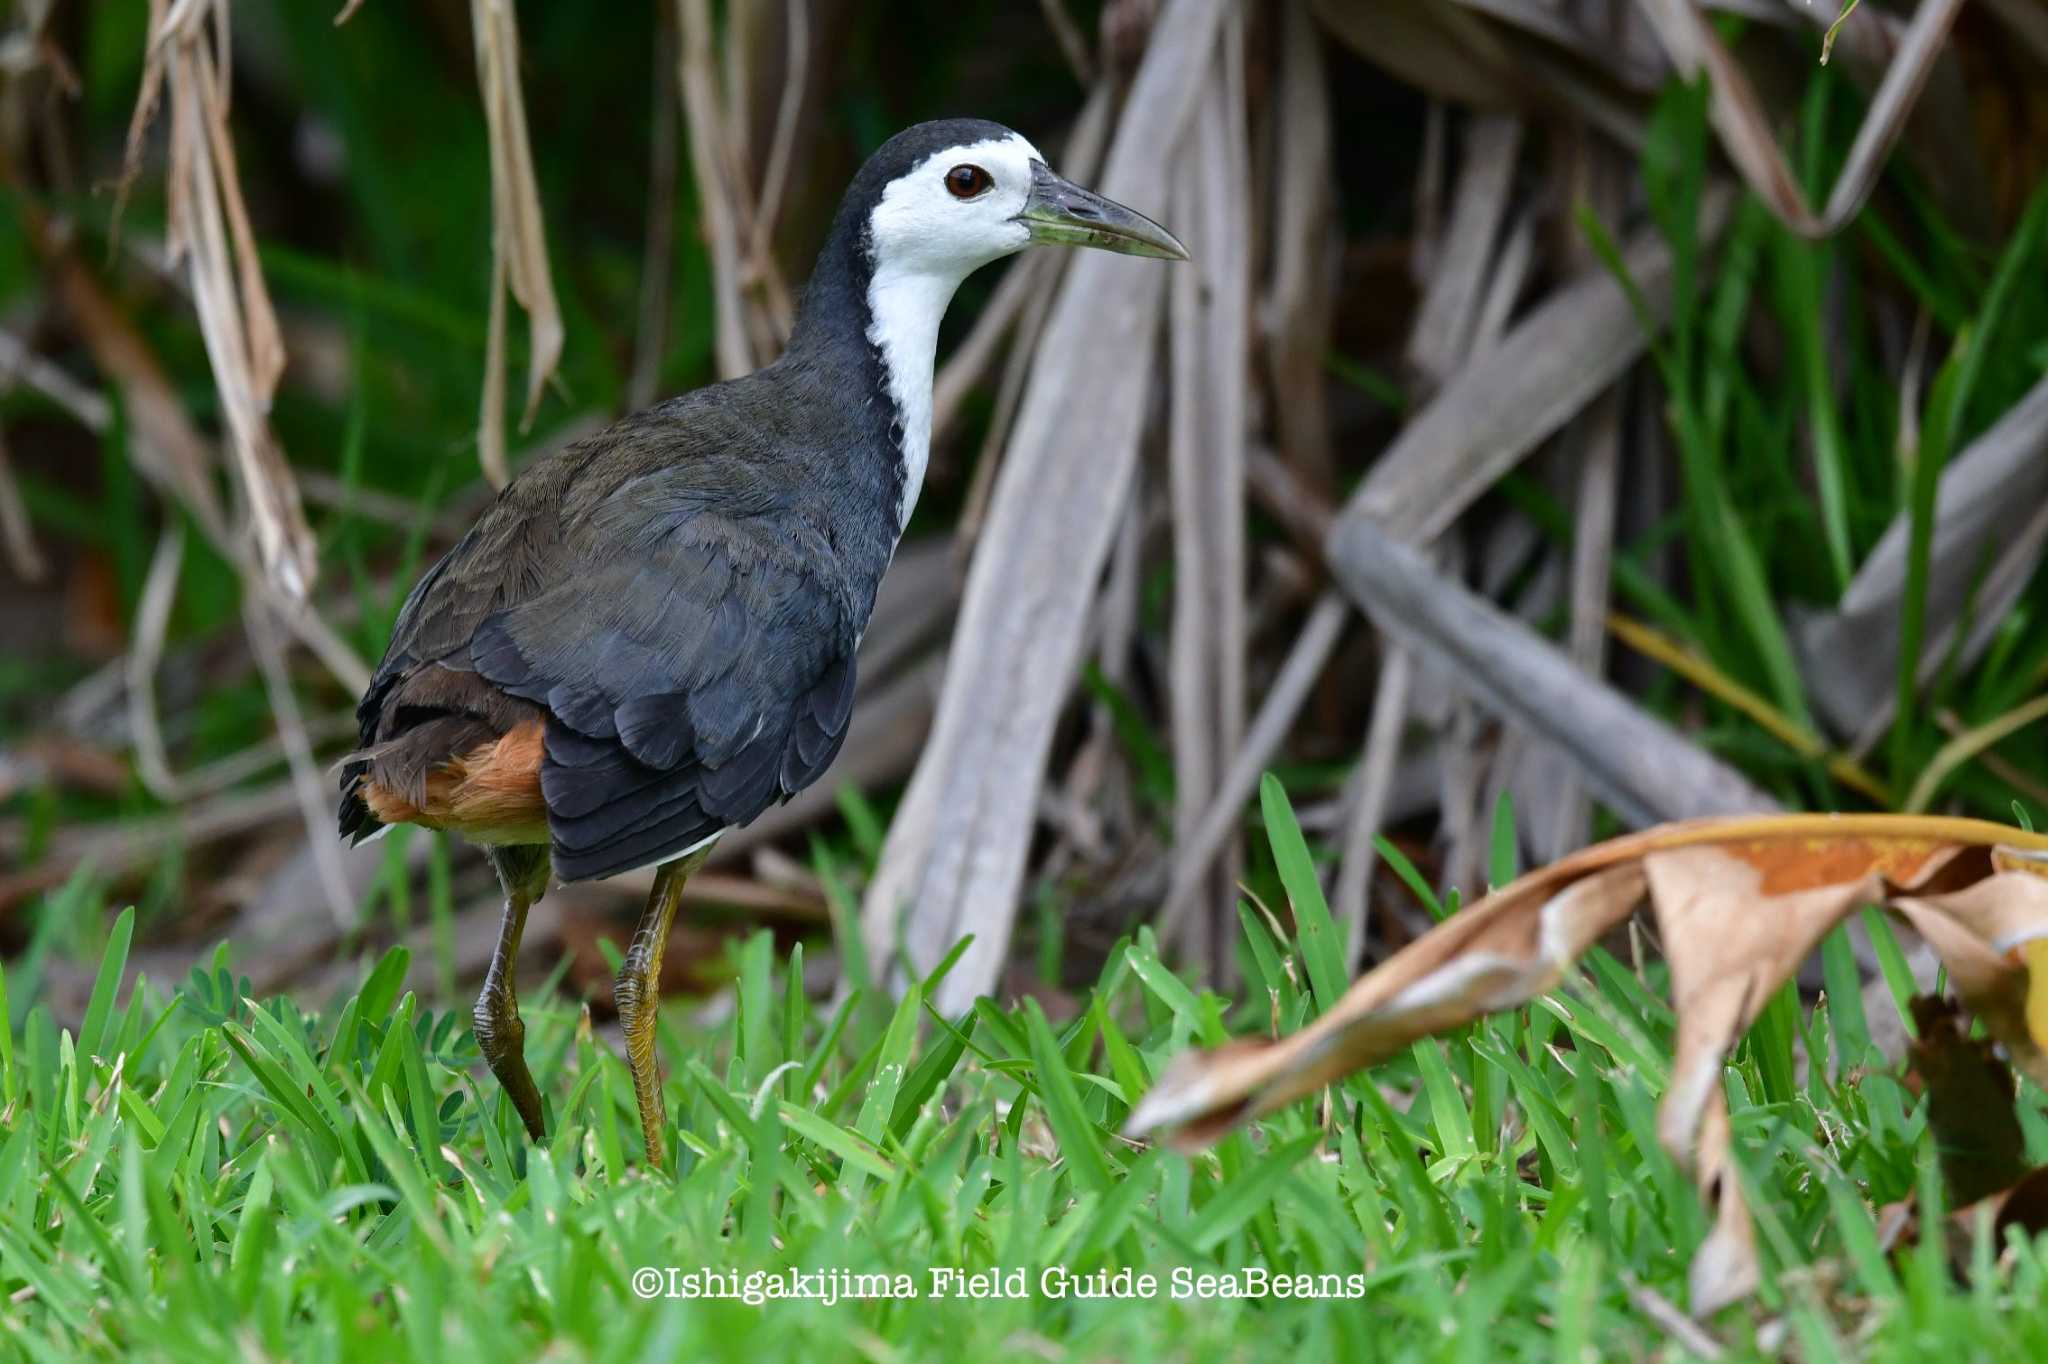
(691, 682)
(687, 628)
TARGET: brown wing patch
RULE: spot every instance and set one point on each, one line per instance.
(489, 793)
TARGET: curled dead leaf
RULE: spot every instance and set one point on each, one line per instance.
(1740, 901)
(1977, 1139)
(1969, 1090)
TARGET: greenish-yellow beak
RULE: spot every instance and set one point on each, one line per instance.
(1058, 212)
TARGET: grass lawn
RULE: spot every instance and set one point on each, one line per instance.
(202, 1176)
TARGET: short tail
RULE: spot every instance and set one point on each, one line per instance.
(357, 823)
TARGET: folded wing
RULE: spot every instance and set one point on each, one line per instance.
(691, 678)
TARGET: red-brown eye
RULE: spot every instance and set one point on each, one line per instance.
(964, 182)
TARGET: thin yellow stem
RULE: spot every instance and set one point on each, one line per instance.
(1968, 745)
(1702, 673)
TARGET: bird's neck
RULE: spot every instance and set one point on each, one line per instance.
(904, 310)
(877, 328)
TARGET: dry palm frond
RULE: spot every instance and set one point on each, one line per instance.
(1633, 762)
(1507, 399)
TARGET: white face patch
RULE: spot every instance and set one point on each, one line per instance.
(926, 240)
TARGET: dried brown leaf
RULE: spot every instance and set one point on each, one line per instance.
(1741, 902)
(1970, 1091)
(1978, 1139)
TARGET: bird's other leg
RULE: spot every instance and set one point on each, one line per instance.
(523, 871)
(637, 992)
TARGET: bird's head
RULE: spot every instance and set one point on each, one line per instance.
(952, 196)
(932, 205)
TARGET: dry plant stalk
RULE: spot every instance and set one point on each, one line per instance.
(164, 446)
(145, 654)
(18, 541)
(698, 83)
(1740, 903)
(210, 234)
(1507, 399)
(1299, 309)
(1437, 47)
(519, 245)
(955, 856)
(751, 302)
(1208, 327)
(1632, 761)
(1456, 321)
(309, 783)
(1441, 341)
(1220, 817)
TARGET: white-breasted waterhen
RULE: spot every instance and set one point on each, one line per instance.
(649, 636)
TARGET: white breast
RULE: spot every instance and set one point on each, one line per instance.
(906, 306)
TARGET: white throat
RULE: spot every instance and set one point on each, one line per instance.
(924, 240)
(904, 308)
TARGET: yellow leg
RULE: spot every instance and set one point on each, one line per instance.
(637, 992)
(500, 1035)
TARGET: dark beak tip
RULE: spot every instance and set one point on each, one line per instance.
(1168, 247)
